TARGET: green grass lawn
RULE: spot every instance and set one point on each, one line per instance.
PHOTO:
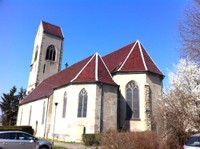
(58, 147)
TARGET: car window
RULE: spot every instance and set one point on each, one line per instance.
(194, 141)
(11, 136)
(23, 136)
(1, 135)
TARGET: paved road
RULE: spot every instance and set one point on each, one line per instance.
(73, 146)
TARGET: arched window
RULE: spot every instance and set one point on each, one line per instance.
(132, 99)
(30, 113)
(64, 104)
(82, 103)
(43, 112)
(51, 53)
(21, 116)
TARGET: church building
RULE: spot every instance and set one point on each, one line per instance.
(95, 95)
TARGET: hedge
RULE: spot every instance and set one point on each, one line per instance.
(27, 129)
(91, 139)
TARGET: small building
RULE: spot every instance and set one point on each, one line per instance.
(94, 95)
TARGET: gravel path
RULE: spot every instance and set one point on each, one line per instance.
(73, 146)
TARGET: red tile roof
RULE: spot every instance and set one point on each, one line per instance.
(46, 87)
(95, 71)
(131, 58)
(52, 29)
(91, 69)
(114, 60)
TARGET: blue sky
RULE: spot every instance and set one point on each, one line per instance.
(89, 26)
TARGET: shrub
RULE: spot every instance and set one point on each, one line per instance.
(91, 139)
(27, 129)
(129, 140)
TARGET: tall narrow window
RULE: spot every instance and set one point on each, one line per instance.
(51, 53)
(132, 99)
(64, 105)
(44, 67)
(36, 53)
(21, 116)
(43, 112)
(82, 103)
(30, 111)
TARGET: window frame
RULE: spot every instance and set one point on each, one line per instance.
(64, 105)
(51, 53)
(30, 114)
(132, 101)
(82, 103)
(43, 112)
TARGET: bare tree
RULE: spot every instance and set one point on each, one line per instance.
(178, 112)
(189, 31)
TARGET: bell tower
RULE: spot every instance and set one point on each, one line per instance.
(47, 54)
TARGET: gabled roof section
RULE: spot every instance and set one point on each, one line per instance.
(46, 87)
(150, 64)
(94, 71)
(134, 60)
(91, 69)
(132, 57)
(52, 29)
(114, 60)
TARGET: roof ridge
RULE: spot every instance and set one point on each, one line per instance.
(82, 69)
(96, 67)
(141, 52)
(119, 49)
(50, 23)
(152, 59)
(106, 67)
(128, 55)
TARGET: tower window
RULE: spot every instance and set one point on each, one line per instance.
(36, 53)
(44, 67)
(51, 53)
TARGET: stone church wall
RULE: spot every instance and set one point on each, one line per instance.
(109, 108)
(154, 84)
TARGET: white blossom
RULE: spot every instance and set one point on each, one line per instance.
(186, 78)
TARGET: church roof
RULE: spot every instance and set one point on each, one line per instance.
(94, 71)
(89, 70)
(130, 58)
(52, 29)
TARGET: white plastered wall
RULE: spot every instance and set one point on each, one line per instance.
(140, 79)
(69, 127)
(36, 115)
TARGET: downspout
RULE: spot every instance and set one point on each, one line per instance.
(45, 123)
(101, 109)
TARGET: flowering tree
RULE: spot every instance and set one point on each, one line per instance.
(179, 110)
